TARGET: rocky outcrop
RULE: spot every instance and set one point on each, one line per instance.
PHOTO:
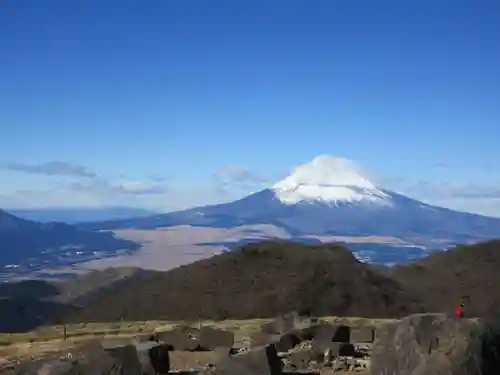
(101, 359)
(193, 339)
(314, 346)
(426, 344)
(259, 361)
(421, 344)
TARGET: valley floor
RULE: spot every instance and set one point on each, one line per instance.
(166, 248)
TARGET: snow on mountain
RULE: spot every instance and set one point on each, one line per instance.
(328, 197)
(330, 180)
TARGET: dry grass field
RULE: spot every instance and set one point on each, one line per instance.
(49, 340)
(170, 247)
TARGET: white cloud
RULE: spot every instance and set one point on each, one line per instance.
(239, 174)
(53, 168)
(235, 178)
(140, 188)
(227, 184)
(100, 192)
(484, 206)
(477, 198)
(131, 195)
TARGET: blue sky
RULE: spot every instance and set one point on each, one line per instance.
(160, 100)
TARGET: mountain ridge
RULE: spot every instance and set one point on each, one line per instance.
(273, 277)
(266, 279)
(325, 200)
(23, 242)
(407, 214)
(257, 280)
(75, 215)
(329, 196)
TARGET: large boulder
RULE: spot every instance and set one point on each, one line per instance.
(104, 358)
(287, 342)
(180, 338)
(94, 360)
(423, 344)
(484, 350)
(258, 361)
(300, 360)
(126, 355)
(325, 334)
(154, 357)
(147, 358)
(323, 337)
(212, 338)
(362, 335)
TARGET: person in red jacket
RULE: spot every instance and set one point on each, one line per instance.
(459, 311)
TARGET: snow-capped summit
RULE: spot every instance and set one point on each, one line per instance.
(331, 180)
(330, 196)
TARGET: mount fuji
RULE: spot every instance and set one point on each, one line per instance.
(329, 199)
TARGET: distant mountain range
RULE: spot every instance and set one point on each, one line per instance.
(399, 216)
(327, 200)
(29, 245)
(75, 215)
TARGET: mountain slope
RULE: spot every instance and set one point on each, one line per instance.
(465, 272)
(257, 280)
(264, 279)
(29, 244)
(329, 196)
(79, 215)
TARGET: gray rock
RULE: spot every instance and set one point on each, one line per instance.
(127, 357)
(323, 337)
(342, 333)
(94, 360)
(362, 335)
(144, 356)
(286, 342)
(301, 359)
(259, 361)
(159, 357)
(423, 344)
(334, 350)
(181, 338)
(346, 350)
(212, 338)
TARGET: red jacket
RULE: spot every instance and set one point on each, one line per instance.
(459, 312)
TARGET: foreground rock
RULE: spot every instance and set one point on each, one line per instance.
(192, 339)
(312, 345)
(422, 344)
(259, 361)
(102, 359)
(428, 344)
